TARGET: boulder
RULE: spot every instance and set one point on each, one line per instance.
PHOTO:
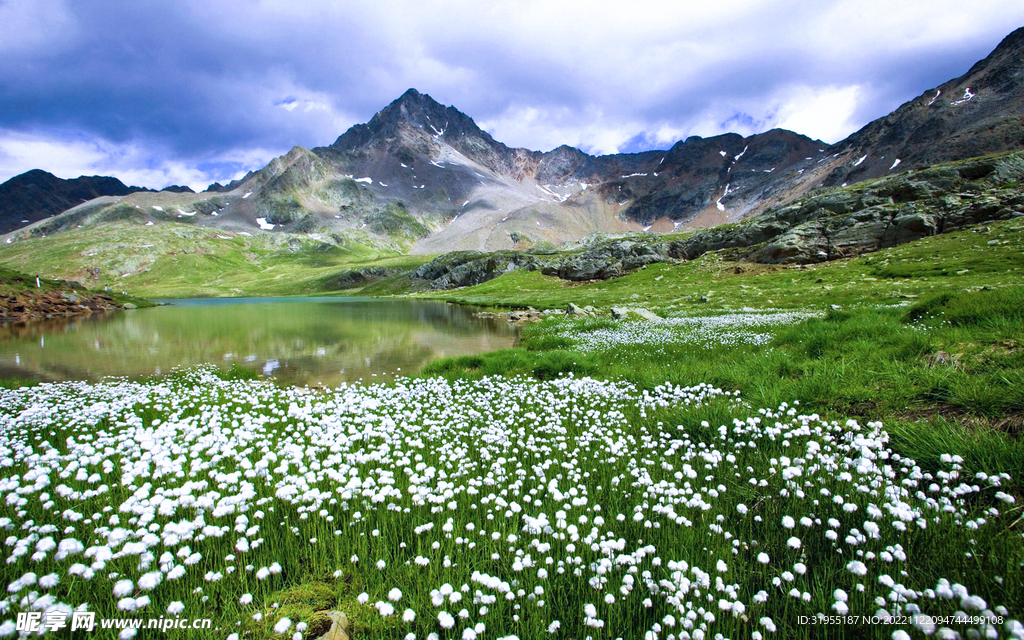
(339, 627)
(801, 244)
(647, 315)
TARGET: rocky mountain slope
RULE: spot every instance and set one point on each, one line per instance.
(423, 177)
(979, 113)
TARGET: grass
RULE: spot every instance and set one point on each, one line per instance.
(992, 255)
(580, 500)
(945, 363)
(175, 260)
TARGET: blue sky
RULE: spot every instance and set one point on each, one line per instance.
(191, 92)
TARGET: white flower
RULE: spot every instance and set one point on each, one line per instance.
(446, 620)
(788, 522)
(282, 626)
(409, 615)
(394, 595)
(857, 567)
(175, 607)
(763, 558)
(363, 598)
(245, 599)
(150, 580)
(793, 543)
(123, 588)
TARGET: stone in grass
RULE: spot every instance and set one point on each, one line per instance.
(574, 310)
(129, 306)
(339, 627)
(623, 313)
(645, 314)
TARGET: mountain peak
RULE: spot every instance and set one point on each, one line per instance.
(410, 94)
(411, 108)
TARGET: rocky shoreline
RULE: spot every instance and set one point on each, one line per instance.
(29, 306)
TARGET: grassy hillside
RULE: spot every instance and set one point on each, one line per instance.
(171, 260)
(990, 255)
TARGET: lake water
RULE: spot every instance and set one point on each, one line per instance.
(296, 340)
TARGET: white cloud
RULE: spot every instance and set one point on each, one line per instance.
(134, 164)
(824, 113)
(197, 81)
(543, 129)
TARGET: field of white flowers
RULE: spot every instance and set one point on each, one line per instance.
(496, 508)
(740, 327)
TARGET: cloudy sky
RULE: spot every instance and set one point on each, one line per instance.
(160, 92)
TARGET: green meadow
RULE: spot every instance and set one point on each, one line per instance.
(824, 451)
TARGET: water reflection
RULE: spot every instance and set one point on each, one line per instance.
(298, 341)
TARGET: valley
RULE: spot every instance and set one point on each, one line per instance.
(737, 388)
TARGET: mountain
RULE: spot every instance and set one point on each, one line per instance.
(979, 113)
(36, 194)
(423, 177)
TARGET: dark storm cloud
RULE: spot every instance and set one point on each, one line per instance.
(189, 91)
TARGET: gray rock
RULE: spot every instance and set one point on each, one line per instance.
(619, 313)
(129, 305)
(339, 627)
(645, 314)
(573, 310)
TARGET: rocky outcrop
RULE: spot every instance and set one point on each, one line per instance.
(468, 268)
(29, 306)
(361, 277)
(894, 211)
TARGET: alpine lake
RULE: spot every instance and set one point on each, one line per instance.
(298, 341)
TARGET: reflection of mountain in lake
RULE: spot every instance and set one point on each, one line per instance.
(297, 341)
